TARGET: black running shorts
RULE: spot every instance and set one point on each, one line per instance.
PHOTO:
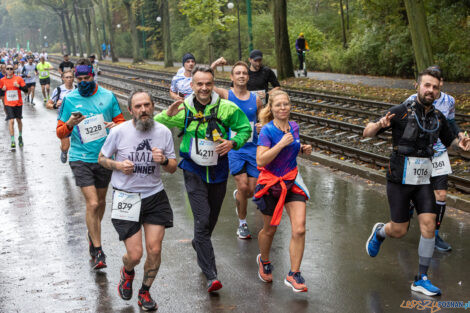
(155, 210)
(90, 174)
(399, 197)
(271, 201)
(45, 81)
(13, 112)
(439, 182)
(29, 85)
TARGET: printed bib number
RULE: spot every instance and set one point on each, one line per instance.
(44, 73)
(417, 171)
(252, 124)
(261, 94)
(12, 95)
(300, 183)
(126, 206)
(441, 165)
(66, 68)
(207, 155)
(92, 128)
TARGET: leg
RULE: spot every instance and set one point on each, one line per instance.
(134, 251)
(265, 237)
(93, 220)
(20, 125)
(101, 202)
(243, 192)
(297, 214)
(11, 127)
(48, 90)
(153, 242)
(43, 89)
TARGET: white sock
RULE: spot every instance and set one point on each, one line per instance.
(242, 222)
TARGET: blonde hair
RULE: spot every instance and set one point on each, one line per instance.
(265, 115)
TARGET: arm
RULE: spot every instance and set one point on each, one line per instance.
(222, 92)
(373, 127)
(175, 96)
(265, 155)
(173, 116)
(126, 166)
(219, 61)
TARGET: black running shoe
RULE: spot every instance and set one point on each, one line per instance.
(146, 301)
(99, 261)
(20, 141)
(125, 285)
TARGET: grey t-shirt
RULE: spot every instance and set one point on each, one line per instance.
(31, 71)
(125, 142)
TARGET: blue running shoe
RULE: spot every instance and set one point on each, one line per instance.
(373, 243)
(424, 286)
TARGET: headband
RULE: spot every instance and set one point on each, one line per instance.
(83, 70)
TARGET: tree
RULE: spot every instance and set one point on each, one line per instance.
(77, 26)
(128, 4)
(285, 68)
(91, 14)
(419, 33)
(345, 43)
(168, 56)
(105, 12)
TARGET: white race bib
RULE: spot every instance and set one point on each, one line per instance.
(300, 183)
(44, 73)
(126, 206)
(252, 124)
(12, 95)
(92, 128)
(417, 171)
(207, 155)
(66, 68)
(441, 165)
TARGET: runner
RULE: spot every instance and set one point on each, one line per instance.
(280, 185)
(44, 69)
(446, 104)
(204, 119)
(261, 76)
(96, 67)
(416, 127)
(242, 162)
(66, 64)
(140, 147)
(13, 103)
(99, 110)
(55, 102)
(301, 45)
(43, 54)
(30, 73)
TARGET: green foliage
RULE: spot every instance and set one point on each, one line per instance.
(206, 15)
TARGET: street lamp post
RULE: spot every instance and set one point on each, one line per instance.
(230, 6)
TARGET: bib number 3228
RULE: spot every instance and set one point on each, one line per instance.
(92, 128)
(126, 206)
(417, 171)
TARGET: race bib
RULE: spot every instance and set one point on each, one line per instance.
(260, 93)
(417, 171)
(12, 95)
(44, 73)
(300, 183)
(92, 128)
(441, 165)
(252, 124)
(66, 68)
(126, 206)
(207, 155)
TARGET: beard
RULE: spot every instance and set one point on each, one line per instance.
(144, 125)
(424, 101)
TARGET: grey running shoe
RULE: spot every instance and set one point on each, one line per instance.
(63, 157)
(243, 232)
(441, 245)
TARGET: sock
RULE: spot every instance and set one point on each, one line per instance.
(425, 252)
(441, 209)
(381, 233)
(144, 288)
(98, 249)
(129, 273)
(20, 134)
(12, 138)
(242, 222)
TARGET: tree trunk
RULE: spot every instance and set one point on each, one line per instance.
(77, 27)
(95, 31)
(285, 67)
(69, 23)
(347, 15)
(419, 33)
(87, 33)
(165, 14)
(345, 43)
(114, 57)
(64, 30)
(135, 36)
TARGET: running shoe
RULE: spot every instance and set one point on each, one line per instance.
(265, 270)
(91, 248)
(213, 285)
(243, 232)
(63, 157)
(45, 100)
(423, 285)
(374, 242)
(20, 141)
(99, 260)
(13, 145)
(125, 285)
(146, 302)
(296, 282)
(441, 245)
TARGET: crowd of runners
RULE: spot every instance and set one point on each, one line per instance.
(245, 132)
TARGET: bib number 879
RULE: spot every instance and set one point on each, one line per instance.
(124, 206)
(420, 172)
(92, 129)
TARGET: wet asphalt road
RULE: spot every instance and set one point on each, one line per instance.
(45, 261)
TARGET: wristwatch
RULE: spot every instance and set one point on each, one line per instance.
(164, 163)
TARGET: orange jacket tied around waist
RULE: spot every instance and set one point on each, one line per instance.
(269, 179)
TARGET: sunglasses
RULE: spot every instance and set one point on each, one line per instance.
(9, 68)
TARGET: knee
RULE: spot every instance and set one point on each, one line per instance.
(298, 232)
(101, 203)
(135, 255)
(398, 231)
(92, 205)
(244, 190)
(428, 225)
(440, 195)
(154, 250)
(268, 231)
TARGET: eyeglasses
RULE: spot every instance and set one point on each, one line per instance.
(9, 68)
(68, 77)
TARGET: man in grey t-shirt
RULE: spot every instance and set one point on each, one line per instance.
(140, 147)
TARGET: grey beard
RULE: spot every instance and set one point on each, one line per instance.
(144, 126)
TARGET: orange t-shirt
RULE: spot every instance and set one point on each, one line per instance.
(12, 94)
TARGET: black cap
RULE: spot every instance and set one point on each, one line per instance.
(66, 54)
(256, 55)
(92, 56)
(188, 56)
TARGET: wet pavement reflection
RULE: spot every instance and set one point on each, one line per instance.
(44, 253)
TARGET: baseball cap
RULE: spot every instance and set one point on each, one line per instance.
(256, 55)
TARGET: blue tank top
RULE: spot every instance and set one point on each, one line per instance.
(250, 109)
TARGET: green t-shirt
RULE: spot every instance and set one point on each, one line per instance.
(43, 69)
